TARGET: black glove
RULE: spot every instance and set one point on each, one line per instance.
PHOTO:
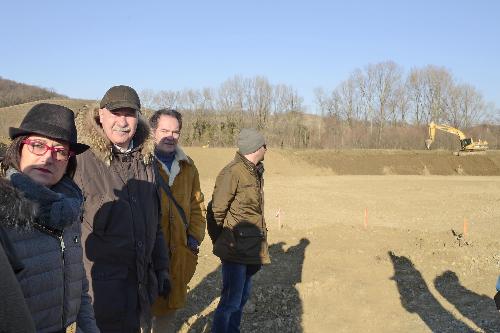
(163, 283)
(193, 244)
(497, 300)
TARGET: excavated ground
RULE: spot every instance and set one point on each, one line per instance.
(375, 252)
(362, 240)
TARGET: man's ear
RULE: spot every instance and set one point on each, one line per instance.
(101, 114)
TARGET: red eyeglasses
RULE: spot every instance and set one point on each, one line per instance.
(39, 148)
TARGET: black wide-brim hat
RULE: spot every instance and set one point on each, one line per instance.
(53, 121)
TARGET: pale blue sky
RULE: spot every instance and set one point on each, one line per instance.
(81, 48)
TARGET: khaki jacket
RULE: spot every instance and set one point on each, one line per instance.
(184, 183)
(238, 206)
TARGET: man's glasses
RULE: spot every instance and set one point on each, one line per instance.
(174, 134)
(39, 148)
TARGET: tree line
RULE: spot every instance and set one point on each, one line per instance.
(378, 106)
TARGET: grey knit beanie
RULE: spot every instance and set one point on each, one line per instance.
(249, 141)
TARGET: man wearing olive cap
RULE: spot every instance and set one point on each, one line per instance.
(124, 244)
(238, 208)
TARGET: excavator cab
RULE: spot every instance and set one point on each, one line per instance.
(465, 142)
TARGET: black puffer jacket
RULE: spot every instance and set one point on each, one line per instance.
(14, 313)
(53, 280)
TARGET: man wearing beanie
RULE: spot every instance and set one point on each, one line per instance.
(238, 209)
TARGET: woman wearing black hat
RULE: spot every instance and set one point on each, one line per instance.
(40, 163)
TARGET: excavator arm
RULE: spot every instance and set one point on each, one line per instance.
(445, 128)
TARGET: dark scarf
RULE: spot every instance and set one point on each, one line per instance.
(166, 158)
(58, 206)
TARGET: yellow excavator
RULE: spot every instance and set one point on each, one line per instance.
(466, 144)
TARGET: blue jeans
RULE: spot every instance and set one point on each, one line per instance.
(236, 288)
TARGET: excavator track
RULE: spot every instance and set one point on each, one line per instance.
(470, 153)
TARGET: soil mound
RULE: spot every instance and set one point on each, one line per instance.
(399, 162)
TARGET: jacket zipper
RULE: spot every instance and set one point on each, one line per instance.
(261, 202)
(63, 247)
(59, 235)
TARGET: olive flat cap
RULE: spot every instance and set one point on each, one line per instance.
(118, 97)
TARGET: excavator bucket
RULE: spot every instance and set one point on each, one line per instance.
(428, 143)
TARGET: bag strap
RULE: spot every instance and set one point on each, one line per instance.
(167, 190)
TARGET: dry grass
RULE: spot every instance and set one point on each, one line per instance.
(13, 115)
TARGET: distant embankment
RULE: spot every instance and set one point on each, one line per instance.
(400, 162)
(292, 163)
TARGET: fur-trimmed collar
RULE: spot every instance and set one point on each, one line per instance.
(91, 133)
(175, 169)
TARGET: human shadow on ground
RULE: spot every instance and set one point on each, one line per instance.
(275, 304)
(416, 298)
(480, 309)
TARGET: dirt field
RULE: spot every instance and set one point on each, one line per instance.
(370, 241)
(406, 271)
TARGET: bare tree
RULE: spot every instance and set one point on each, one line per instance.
(472, 106)
(148, 98)
(415, 86)
(167, 99)
(258, 95)
(438, 85)
(329, 105)
(347, 97)
(384, 78)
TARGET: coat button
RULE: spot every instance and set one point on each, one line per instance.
(139, 244)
